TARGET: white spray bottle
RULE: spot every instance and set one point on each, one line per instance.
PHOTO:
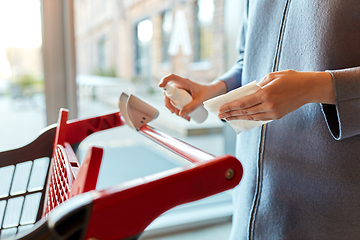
(181, 98)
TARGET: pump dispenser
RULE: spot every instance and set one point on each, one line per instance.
(181, 98)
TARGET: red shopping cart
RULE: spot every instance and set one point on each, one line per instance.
(68, 207)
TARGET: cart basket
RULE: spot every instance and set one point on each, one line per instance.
(46, 194)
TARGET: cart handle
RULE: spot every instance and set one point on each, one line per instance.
(183, 149)
(82, 128)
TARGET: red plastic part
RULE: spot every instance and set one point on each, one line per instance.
(126, 210)
(61, 128)
(61, 179)
(67, 178)
(88, 174)
(80, 129)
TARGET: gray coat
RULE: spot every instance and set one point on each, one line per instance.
(302, 172)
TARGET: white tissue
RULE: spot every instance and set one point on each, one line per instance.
(213, 105)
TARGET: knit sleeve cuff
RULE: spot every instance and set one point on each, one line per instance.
(343, 118)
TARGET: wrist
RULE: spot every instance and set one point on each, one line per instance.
(324, 88)
(217, 87)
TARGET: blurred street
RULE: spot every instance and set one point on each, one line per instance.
(21, 120)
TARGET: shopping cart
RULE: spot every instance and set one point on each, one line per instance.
(45, 194)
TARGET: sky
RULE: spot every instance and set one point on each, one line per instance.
(20, 23)
(20, 26)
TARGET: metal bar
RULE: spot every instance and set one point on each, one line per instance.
(183, 149)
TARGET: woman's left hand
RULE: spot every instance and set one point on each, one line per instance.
(281, 93)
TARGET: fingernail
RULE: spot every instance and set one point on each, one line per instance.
(184, 115)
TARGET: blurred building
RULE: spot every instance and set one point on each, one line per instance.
(143, 40)
(25, 61)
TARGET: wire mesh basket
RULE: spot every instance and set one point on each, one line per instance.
(25, 179)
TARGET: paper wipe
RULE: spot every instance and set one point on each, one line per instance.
(213, 105)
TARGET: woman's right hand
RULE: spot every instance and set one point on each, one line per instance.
(199, 93)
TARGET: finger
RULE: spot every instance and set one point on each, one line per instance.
(257, 109)
(179, 81)
(184, 115)
(254, 117)
(176, 111)
(170, 106)
(242, 103)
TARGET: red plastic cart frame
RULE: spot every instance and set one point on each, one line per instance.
(125, 210)
(67, 178)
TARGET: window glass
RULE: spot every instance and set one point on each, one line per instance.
(101, 53)
(132, 39)
(22, 101)
(203, 29)
(166, 27)
(120, 47)
(144, 34)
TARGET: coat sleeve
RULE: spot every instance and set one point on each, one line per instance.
(232, 78)
(343, 118)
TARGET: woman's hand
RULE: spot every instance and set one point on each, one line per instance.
(281, 93)
(199, 93)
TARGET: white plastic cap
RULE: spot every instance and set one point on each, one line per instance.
(173, 92)
(169, 89)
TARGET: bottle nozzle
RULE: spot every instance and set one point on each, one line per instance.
(169, 88)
